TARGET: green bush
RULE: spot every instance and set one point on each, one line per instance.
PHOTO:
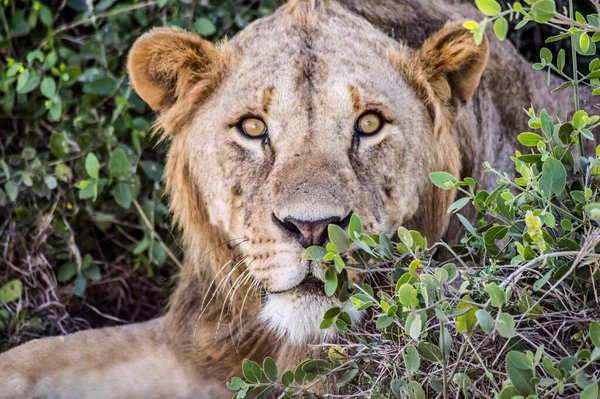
(513, 310)
(81, 201)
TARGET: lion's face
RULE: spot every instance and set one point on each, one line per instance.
(310, 117)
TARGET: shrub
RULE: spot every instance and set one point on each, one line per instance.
(512, 311)
(86, 238)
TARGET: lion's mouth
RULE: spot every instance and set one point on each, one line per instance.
(310, 284)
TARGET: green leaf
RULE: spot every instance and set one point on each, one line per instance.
(235, 384)
(593, 210)
(415, 391)
(346, 378)
(443, 180)
(251, 371)
(595, 333)
(55, 109)
(338, 237)
(331, 282)
(12, 190)
(100, 87)
(496, 294)
(560, 60)
(92, 166)
(355, 226)
(590, 392)
(122, 195)
(506, 326)
(412, 360)
(314, 252)
(93, 273)
(486, 322)
(488, 7)
(529, 139)
(205, 27)
(441, 275)
(547, 123)
(543, 11)
(386, 246)
(539, 284)
(430, 352)
(119, 164)
(384, 321)
(546, 55)
(407, 296)
(88, 189)
(66, 272)
(59, 145)
(466, 322)
(11, 291)
(28, 81)
(518, 368)
(579, 119)
(584, 42)
(463, 381)
(405, 237)
(48, 87)
(46, 16)
(451, 270)
(270, 369)
(153, 170)
(501, 28)
(554, 178)
(316, 366)
(458, 205)
(413, 325)
(361, 301)
(80, 285)
(287, 378)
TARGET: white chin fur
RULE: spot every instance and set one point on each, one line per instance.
(297, 317)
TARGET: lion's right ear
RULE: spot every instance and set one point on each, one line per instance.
(170, 66)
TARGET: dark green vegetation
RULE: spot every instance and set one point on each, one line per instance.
(85, 238)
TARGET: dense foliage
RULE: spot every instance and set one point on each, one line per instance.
(84, 230)
(513, 310)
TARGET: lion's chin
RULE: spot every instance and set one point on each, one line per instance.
(295, 315)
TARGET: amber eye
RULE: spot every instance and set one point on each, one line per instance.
(253, 127)
(369, 123)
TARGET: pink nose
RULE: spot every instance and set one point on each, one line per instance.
(307, 233)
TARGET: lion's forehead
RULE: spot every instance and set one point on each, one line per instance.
(332, 50)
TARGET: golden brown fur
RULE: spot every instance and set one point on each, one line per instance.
(309, 71)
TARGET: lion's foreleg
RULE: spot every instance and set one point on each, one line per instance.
(124, 362)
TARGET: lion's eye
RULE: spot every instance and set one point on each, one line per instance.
(253, 127)
(369, 123)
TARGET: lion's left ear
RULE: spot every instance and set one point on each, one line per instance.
(452, 63)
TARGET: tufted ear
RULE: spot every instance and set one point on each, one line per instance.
(452, 63)
(170, 66)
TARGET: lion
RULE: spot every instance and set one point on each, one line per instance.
(323, 109)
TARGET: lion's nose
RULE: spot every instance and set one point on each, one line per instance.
(308, 232)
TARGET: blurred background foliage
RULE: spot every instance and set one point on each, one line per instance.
(85, 236)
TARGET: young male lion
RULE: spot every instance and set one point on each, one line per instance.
(323, 109)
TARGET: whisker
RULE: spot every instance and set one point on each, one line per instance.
(219, 286)
(234, 287)
(243, 239)
(252, 288)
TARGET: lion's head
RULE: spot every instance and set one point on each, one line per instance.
(301, 119)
